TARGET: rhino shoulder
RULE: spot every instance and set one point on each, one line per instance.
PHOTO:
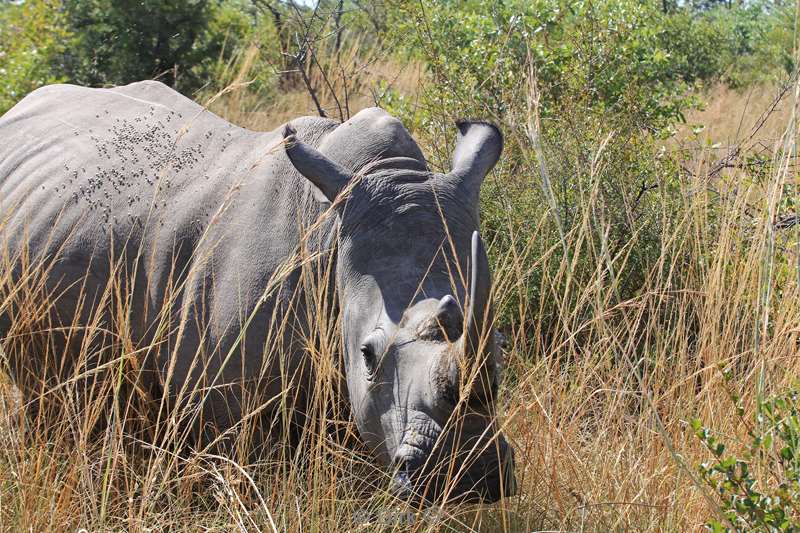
(51, 98)
(155, 92)
(38, 97)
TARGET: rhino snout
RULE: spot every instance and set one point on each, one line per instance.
(488, 478)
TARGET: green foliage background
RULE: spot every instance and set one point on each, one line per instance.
(625, 56)
(33, 41)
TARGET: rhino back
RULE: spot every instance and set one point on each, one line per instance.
(142, 174)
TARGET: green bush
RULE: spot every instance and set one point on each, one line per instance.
(758, 489)
(739, 46)
(765, 32)
(120, 42)
(614, 52)
(185, 44)
(33, 38)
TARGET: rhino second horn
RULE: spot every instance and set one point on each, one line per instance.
(479, 312)
(328, 176)
(449, 318)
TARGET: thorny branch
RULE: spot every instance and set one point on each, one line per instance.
(306, 51)
(300, 61)
(736, 150)
(733, 159)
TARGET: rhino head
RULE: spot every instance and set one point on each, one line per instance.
(413, 283)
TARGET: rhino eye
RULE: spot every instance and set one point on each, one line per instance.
(370, 360)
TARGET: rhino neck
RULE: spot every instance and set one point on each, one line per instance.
(372, 137)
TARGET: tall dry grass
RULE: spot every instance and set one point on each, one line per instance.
(728, 114)
(598, 415)
(343, 82)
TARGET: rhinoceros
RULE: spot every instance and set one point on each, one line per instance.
(141, 184)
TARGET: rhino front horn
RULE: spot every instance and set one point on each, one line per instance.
(479, 310)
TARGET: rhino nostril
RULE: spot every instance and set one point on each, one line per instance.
(402, 478)
(401, 484)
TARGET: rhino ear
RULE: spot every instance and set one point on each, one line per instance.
(478, 148)
(328, 177)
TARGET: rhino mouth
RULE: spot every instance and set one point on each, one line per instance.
(424, 476)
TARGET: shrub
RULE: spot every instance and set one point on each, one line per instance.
(32, 38)
(758, 489)
(121, 42)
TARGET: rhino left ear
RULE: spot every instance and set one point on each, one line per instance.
(478, 147)
(328, 177)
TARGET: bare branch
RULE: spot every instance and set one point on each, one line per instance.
(736, 150)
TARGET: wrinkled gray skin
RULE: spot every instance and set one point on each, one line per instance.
(147, 176)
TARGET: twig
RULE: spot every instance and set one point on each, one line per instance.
(306, 46)
(642, 190)
(300, 59)
(738, 148)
